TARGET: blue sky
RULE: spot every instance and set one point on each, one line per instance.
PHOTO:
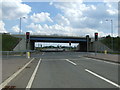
(59, 18)
(38, 7)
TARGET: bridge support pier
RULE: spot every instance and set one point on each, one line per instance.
(82, 47)
(32, 45)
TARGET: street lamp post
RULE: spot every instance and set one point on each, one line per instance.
(20, 29)
(111, 33)
(20, 24)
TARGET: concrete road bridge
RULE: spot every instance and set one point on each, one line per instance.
(55, 39)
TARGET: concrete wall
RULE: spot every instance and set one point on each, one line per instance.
(32, 45)
(21, 46)
(99, 46)
(82, 47)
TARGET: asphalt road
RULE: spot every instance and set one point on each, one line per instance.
(67, 70)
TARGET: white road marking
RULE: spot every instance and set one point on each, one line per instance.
(43, 53)
(71, 62)
(2, 85)
(80, 56)
(103, 61)
(111, 63)
(109, 81)
(33, 76)
(87, 58)
(54, 59)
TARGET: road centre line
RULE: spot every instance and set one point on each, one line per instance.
(109, 81)
(71, 62)
(29, 85)
(2, 85)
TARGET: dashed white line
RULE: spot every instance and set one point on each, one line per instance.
(33, 76)
(71, 62)
(2, 85)
(109, 81)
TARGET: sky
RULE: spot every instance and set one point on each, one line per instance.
(59, 18)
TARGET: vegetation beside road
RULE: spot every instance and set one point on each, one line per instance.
(9, 42)
(116, 42)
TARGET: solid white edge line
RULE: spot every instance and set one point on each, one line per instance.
(111, 63)
(29, 85)
(2, 85)
(109, 81)
(71, 62)
(103, 61)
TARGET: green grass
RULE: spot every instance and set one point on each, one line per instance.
(9, 42)
(116, 42)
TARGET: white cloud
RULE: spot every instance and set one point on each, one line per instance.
(51, 3)
(2, 27)
(77, 13)
(76, 18)
(112, 8)
(93, 7)
(61, 20)
(48, 30)
(41, 17)
(35, 26)
(16, 28)
(13, 9)
(31, 32)
(90, 16)
(62, 30)
(112, 12)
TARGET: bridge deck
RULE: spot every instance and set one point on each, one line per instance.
(58, 39)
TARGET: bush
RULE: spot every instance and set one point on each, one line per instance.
(116, 42)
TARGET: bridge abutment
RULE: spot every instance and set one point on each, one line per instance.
(82, 47)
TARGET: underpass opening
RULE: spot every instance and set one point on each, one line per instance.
(79, 42)
(44, 46)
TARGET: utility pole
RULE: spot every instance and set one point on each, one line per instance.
(87, 38)
(96, 39)
(20, 31)
(111, 33)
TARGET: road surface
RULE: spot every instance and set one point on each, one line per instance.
(66, 70)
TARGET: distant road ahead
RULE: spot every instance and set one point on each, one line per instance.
(67, 70)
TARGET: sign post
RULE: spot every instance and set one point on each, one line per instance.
(70, 44)
(87, 38)
(96, 39)
(27, 43)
